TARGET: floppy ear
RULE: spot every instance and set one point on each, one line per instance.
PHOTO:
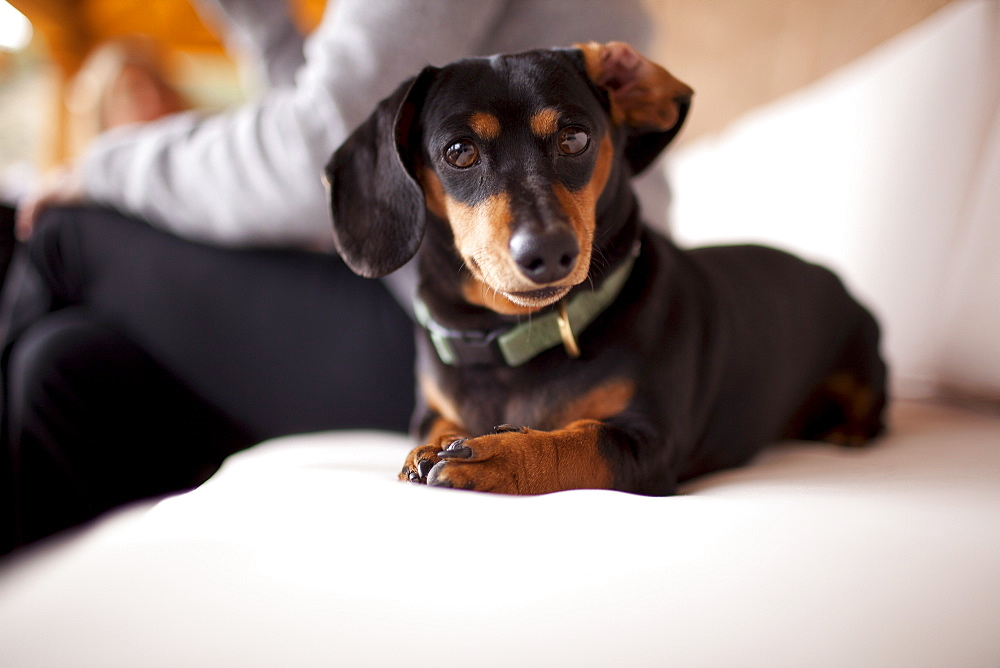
(378, 208)
(644, 97)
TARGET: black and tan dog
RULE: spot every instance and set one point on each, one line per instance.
(563, 344)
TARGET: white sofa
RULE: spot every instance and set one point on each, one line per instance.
(307, 551)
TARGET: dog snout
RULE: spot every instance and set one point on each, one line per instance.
(547, 255)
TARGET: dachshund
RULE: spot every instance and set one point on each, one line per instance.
(563, 344)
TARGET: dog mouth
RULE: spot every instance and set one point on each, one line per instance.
(537, 298)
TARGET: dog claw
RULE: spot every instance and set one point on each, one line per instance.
(414, 477)
(424, 467)
(456, 450)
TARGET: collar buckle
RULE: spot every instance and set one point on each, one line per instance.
(566, 331)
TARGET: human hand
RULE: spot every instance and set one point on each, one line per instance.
(64, 186)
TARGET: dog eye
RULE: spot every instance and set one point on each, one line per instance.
(461, 154)
(573, 140)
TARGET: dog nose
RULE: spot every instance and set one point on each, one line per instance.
(545, 256)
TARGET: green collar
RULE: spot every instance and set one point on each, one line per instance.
(520, 343)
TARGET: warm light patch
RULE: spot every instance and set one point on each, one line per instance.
(15, 28)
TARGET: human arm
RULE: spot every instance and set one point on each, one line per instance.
(251, 175)
(262, 33)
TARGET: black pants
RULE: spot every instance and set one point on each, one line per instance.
(154, 358)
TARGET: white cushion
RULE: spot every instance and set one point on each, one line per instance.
(886, 171)
(308, 551)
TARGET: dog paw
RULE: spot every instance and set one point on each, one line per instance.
(518, 460)
(419, 463)
(491, 463)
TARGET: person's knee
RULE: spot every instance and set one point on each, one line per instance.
(61, 471)
(48, 251)
(54, 224)
(48, 361)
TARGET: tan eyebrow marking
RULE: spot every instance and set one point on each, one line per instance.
(487, 126)
(545, 122)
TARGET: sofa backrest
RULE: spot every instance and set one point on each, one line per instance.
(888, 171)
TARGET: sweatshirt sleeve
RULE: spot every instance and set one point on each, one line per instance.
(251, 176)
(261, 33)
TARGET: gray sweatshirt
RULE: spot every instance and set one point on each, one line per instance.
(250, 176)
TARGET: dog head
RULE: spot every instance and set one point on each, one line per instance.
(513, 154)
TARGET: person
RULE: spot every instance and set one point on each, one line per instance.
(185, 301)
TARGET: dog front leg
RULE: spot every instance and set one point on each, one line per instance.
(518, 460)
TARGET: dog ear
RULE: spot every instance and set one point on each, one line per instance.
(378, 208)
(644, 97)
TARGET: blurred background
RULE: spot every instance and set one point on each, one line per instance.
(737, 54)
(861, 134)
(48, 43)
